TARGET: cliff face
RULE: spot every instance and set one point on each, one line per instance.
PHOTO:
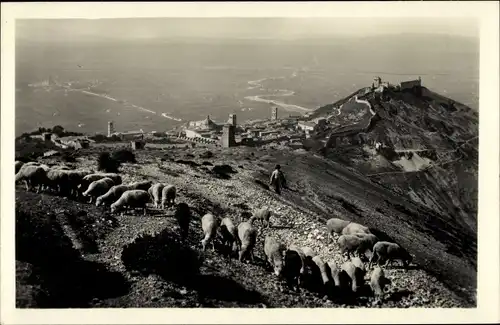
(431, 147)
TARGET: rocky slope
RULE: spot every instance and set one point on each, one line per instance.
(137, 275)
(432, 148)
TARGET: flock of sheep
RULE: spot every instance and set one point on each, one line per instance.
(296, 265)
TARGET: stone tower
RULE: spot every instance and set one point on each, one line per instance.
(274, 113)
(111, 128)
(232, 119)
(378, 81)
(228, 139)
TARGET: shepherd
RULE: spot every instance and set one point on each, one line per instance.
(277, 179)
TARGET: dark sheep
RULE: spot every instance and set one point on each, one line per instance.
(389, 252)
(183, 217)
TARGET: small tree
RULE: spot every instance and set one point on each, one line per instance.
(59, 130)
(106, 163)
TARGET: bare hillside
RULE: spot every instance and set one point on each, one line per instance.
(99, 259)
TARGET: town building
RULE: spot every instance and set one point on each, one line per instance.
(306, 126)
(228, 136)
(232, 119)
(206, 124)
(274, 113)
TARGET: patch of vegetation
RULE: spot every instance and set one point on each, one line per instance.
(124, 156)
(107, 163)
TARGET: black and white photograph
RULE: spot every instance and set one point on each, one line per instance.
(254, 161)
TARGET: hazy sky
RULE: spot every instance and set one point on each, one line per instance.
(59, 29)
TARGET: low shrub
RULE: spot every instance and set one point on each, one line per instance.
(107, 163)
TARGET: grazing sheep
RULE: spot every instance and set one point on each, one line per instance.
(144, 185)
(168, 194)
(369, 240)
(209, 225)
(131, 199)
(32, 163)
(378, 281)
(355, 228)
(292, 268)
(340, 278)
(263, 214)
(354, 243)
(389, 252)
(322, 268)
(117, 179)
(63, 167)
(18, 165)
(308, 252)
(87, 180)
(274, 252)
(74, 179)
(112, 195)
(156, 191)
(183, 217)
(301, 255)
(360, 265)
(58, 180)
(229, 234)
(335, 225)
(248, 237)
(98, 188)
(355, 273)
(32, 176)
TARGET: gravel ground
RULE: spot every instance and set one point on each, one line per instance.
(101, 239)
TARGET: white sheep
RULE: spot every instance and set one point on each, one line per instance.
(143, 185)
(354, 274)
(248, 237)
(335, 225)
(168, 194)
(356, 261)
(322, 268)
(209, 224)
(353, 228)
(340, 277)
(88, 179)
(274, 251)
(98, 188)
(378, 281)
(117, 179)
(132, 199)
(33, 176)
(263, 214)
(302, 256)
(112, 195)
(155, 191)
(308, 252)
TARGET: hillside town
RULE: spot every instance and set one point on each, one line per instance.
(328, 130)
